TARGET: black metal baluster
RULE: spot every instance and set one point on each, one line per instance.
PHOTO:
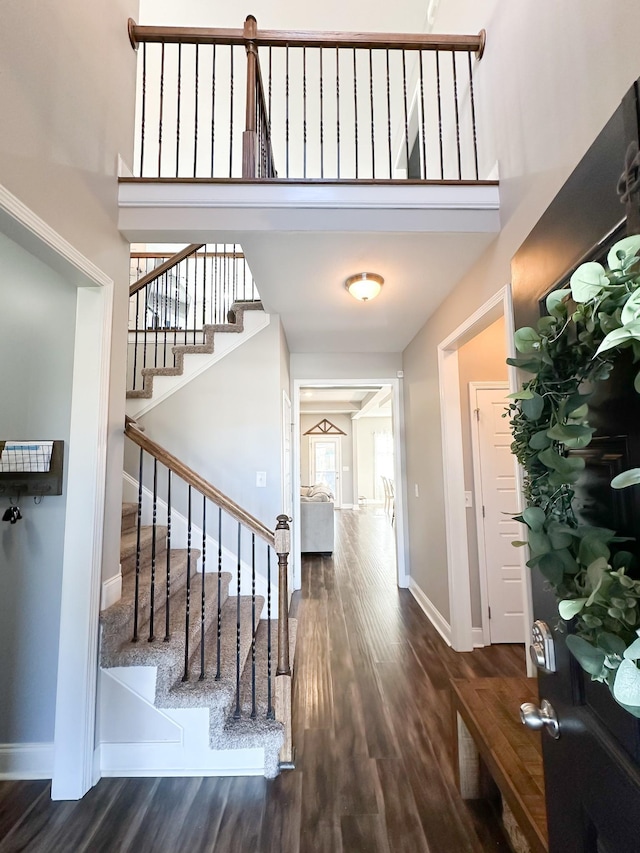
(389, 116)
(154, 527)
(187, 612)
(270, 711)
(167, 614)
(423, 120)
(338, 110)
(178, 110)
(203, 602)
(156, 323)
(236, 713)
(231, 112)
(321, 121)
(213, 110)
(135, 341)
(355, 107)
(146, 324)
(161, 111)
(216, 307)
(406, 113)
(219, 615)
(204, 290)
(165, 316)
(270, 170)
(186, 301)
(473, 116)
(235, 273)
(195, 292)
(143, 111)
(286, 118)
(304, 112)
(176, 303)
(457, 112)
(373, 135)
(195, 130)
(136, 594)
(253, 626)
(439, 114)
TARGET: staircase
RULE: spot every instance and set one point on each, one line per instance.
(200, 302)
(188, 677)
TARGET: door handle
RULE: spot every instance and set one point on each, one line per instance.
(542, 649)
(543, 717)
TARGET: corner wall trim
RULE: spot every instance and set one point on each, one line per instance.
(26, 761)
(431, 612)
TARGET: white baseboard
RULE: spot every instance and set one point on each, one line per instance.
(26, 761)
(432, 613)
(111, 591)
(477, 637)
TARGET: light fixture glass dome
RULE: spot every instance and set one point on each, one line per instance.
(365, 285)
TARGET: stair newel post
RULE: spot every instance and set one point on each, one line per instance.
(250, 135)
(282, 539)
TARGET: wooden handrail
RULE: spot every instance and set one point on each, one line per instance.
(133, 431)
(305, 38)
(173, 261)
(157, 255)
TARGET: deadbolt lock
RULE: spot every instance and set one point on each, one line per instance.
(542, 648)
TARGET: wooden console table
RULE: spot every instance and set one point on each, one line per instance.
(488, 727)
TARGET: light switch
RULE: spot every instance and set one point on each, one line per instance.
(468, 499)
(261, 479)
(417, 490)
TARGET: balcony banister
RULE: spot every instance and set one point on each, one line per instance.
(171, 262)
(306, 38)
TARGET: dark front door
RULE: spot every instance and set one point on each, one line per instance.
(592, 771)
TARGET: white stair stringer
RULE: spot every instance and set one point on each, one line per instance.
(176, 741)
(251, 320)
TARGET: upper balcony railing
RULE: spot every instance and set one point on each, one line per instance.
(265, 104)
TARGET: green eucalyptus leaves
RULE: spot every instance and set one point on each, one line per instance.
(569, 350)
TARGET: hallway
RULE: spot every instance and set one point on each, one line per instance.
(372, 729)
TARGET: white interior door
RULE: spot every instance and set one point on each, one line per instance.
(496, 502)
(325, 463)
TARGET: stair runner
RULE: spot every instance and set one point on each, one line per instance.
(117, 648)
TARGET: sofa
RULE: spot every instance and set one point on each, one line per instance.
(316, 520)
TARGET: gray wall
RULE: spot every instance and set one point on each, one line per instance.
(67, 101)
(37, 324)
(482, 359)
(543, 115)
(226, 423)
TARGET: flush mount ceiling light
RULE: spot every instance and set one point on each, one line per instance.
(365, 285)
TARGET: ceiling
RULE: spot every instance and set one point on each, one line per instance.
(301, 276)
(372, 401)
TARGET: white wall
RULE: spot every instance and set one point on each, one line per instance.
(67, 101)
(365, 429)
(37, 328)
(551, 77)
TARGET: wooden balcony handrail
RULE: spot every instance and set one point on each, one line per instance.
(133, 431)
(173, 261)
(305, 38)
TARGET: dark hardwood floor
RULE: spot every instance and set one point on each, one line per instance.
(372, 729)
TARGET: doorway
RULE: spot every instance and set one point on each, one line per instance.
(325, 464)
(467, 627)
(360, 409)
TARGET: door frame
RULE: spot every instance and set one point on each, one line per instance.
(313, 440)
(500, 304)
(483, 571)
(74, 769)
(397, 408)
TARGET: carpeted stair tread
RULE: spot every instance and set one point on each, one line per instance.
(129, 545)
(117, 620)
(129, 516)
